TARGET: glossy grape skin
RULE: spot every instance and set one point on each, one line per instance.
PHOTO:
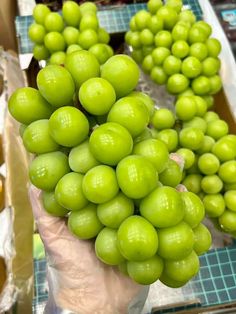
(40, 12)
(56, 85)
(37, 139)
(115, 211)
(110, 142)
(122, 72)
(106, 247)
(36, 33)
(214, 204)
(227, 221)
(97, 96)
(171, 175)
(194, 209)
(184, 269)
(155, 151)
(227, 171)
(136, 176)
(26, 105)
(68, 126)
(137, 239)
(68, 191)
(54, 42)
(47, 169)
(175, 242)
(53, 22)
(203, 239)
(230, 200)
(40, 52)
(81, 159)
(100, 184)
(163, 207)
(145, 272)
(191, 138)
(131, 113)
(82, 66)
(71, 13)
(84, 223)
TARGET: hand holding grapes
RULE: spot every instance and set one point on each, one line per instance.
(78, 281)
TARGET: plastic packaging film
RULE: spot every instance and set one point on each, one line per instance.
(16, 219)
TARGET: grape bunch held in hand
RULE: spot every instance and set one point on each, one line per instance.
(98, 164)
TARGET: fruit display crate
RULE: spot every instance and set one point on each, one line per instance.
(115, 19)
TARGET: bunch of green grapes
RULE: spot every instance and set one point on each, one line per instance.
(56, 35)
(175, 49)
(99, 166)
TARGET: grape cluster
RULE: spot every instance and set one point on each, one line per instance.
(98, 164)
(175, 49)
(56, 35)
(208, 151)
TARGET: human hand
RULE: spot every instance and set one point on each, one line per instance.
(78, 281)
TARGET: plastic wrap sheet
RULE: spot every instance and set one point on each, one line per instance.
(16, 222)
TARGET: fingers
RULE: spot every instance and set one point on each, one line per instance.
(78, 280)
(49, 227)
(35, 198)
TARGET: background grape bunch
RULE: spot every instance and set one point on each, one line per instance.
(77, 28)
(209, 152)
(175, 49)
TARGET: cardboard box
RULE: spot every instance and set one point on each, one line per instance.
(223, 108)
(8, 11)
(16, 223)
(3, 275)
